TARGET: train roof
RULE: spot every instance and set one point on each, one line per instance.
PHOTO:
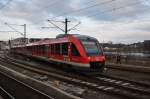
(62, 38)
(44, 42)
(85, 37)
(78, 36)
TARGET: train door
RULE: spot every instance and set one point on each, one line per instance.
(75, 55)
(49, 52)
(34, 50)
(46, 50)
(52, 49)
(57, 49)
(65, 51)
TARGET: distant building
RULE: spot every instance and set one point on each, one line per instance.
(31, 40)
(21, 41)
(4, 45)
(1, 45)
(18, 42)
(112, 47)
(147, 45)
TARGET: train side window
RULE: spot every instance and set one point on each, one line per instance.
(64, 48)
(34, 49)
(74, 51)
(43, 49)
(52, 49)
(57, 46)
(46, 49)
(38, 50)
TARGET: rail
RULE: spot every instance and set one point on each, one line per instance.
(96, 84)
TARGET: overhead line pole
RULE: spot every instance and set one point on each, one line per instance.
(66, 26)
(23, 34)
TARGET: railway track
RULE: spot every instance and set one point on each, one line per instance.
(15, 89)
(125, 87)
(109, 85)
(5, 94)
(108, 77)
(131, 68)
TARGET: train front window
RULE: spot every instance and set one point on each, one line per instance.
(91, 47)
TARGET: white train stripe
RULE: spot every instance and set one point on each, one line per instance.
(71, 63)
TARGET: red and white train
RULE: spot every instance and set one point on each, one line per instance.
(80, 52)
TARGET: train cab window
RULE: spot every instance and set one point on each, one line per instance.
(92, 48)
(74, 51)
(64, 48)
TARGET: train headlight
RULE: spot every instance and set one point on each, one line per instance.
(89, 58)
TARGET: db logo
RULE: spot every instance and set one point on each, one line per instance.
(97, 59)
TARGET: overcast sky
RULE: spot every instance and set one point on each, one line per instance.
(120, 21)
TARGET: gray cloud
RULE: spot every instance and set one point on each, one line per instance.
(36, 10)
(111, 12)
(144, 26)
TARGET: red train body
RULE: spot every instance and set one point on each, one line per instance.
(79, 51)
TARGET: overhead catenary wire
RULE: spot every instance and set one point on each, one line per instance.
(102, 3)
(114, 9)
(82, 9)
(49, 4)
(7, 31)
(74, 27)
(105, 11)
(14, 29)
(85, 8)
(111, 10)
(3, 6)
(66, 30)
(7, 3)
(55, 25)
(53, 4)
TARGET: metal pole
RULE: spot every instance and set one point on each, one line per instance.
(25, 34)
(66, 26)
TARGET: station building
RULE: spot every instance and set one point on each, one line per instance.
(147, 45)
